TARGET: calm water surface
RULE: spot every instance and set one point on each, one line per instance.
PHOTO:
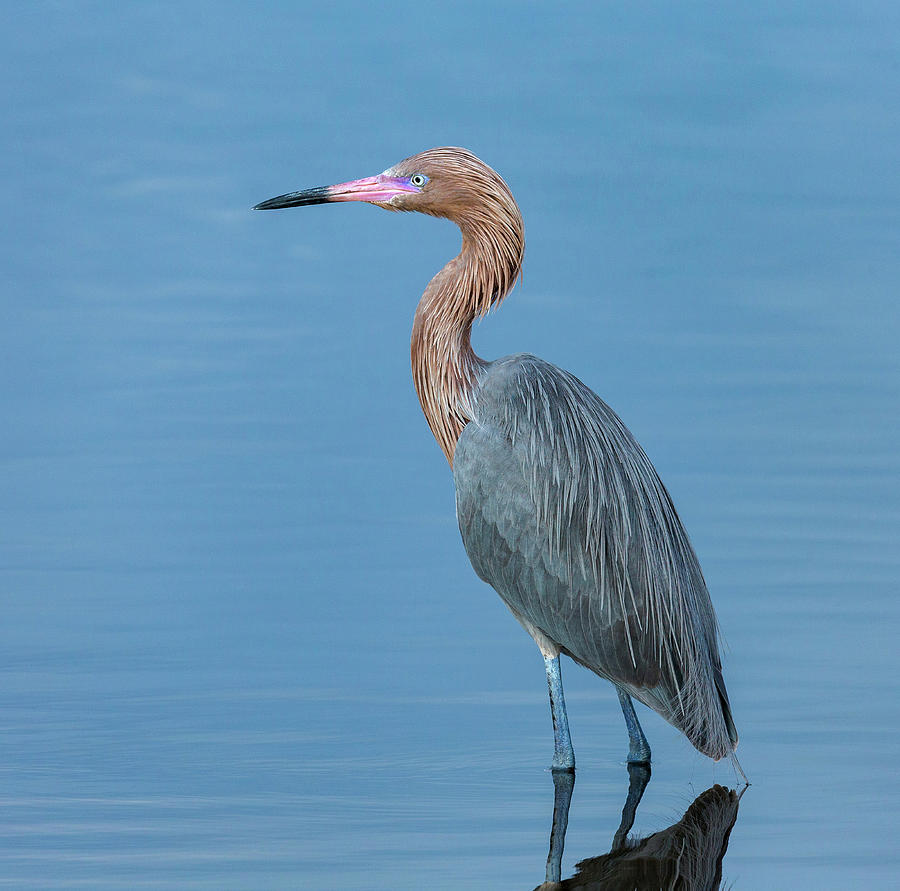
(241, 645)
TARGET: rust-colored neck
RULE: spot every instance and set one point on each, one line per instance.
(444, 365)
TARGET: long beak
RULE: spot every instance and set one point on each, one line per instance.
(374, 189)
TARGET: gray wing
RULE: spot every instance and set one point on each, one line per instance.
(564, 515)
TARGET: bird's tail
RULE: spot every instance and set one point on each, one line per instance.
(726, 708)
(729, 724)
(699, 709)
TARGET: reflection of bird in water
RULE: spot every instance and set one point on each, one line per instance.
(686, 856)
(559, 508)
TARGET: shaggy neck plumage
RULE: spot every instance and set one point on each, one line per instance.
(444, 365)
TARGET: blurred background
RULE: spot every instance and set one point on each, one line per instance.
(240, 642)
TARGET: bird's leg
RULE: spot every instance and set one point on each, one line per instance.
(638, 747)
(564, 754)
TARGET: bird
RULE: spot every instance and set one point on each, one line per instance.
(559, 508)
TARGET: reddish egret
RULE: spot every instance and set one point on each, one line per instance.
(559, 508)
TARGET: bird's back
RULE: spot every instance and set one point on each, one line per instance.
(564, 515)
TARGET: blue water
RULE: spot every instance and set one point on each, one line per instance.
(240, 643)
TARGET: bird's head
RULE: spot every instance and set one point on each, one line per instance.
(443, 182)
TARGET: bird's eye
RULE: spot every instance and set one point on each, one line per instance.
(418, 180)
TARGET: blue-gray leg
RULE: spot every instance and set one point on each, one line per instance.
(638, 747)
(563, 754)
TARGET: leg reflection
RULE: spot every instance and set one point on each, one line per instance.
(638, 777)
(563, 784)
(686, 855)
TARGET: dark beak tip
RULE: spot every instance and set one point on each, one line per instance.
(270, 204)
(319, 195)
